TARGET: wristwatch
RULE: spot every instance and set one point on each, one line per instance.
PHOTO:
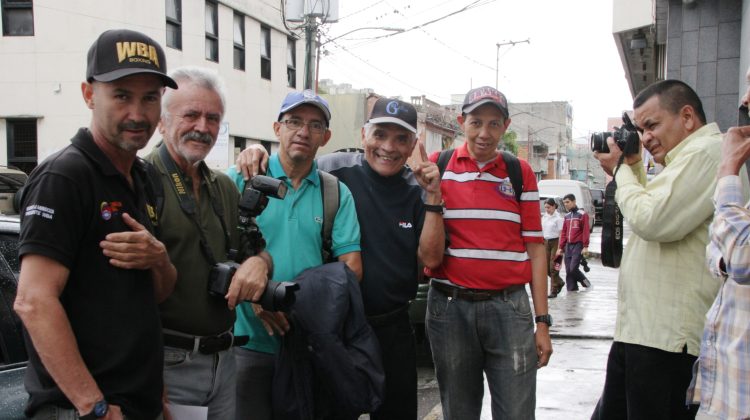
(100, 410)
(547, 319)
(435, 208)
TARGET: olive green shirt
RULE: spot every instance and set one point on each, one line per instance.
(664, 288)
(190, 309)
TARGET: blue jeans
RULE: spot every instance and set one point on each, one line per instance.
(494, 337)
(206, 380)
(254, 380)
(51, 412)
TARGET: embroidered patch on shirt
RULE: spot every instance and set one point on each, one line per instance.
(110, 209)
(405, 225)
(37, 210)
(506, 188)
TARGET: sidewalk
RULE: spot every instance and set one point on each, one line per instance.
(583, 325)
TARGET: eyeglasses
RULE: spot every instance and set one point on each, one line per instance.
(315, 127)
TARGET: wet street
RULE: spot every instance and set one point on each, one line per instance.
(569, 387)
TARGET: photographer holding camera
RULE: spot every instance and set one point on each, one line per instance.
(198, 223)
(664, 288)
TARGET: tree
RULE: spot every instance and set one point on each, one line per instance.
(509, 142)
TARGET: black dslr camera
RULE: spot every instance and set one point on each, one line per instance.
(278, 296)
(626, 137)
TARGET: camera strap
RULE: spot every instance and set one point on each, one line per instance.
(188, 204)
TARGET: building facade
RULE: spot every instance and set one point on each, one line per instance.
(544, 134)
(701, 42)
(44, 45)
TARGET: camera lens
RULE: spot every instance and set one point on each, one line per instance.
(599, 142)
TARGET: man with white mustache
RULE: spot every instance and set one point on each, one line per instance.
(198, 224)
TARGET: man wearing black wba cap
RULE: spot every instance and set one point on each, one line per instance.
(92, 273)
(400, 217)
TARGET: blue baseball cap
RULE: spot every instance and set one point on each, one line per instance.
(306, 97)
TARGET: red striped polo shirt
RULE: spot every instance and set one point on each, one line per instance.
(487, 228)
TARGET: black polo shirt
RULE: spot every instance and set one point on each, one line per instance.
(71, 202)
(391, 213)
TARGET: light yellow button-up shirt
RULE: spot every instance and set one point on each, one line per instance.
(664, 288)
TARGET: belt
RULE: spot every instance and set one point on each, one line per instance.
(387, 318)
(205, 345)
(474, 295)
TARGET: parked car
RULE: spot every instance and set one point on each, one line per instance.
(13, 355)
(560, 207)
(597, 195)
(12, 350)
(561, 187)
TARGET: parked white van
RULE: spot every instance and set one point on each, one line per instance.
(561, 187)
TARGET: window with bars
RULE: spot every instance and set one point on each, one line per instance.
(18, 17)
(174, 24)
(291, 62)
(21, 135)
(212, 31)
(239, 41)
(265, 52)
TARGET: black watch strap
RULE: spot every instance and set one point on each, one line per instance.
(435, 208)
(547, 319)
(100, 410)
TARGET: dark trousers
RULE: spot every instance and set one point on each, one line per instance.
(645, 383)
(550, 246)
(572, 263)
(399, 351)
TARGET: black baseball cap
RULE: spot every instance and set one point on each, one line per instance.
(394, 111)
(485, 95)
(118, 53)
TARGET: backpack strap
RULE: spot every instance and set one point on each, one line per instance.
(329, 190)
(513, 165)
(443, 159)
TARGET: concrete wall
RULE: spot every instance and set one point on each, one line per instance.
(41, 75)
(703, 50)
(348, 113)
(628, 14)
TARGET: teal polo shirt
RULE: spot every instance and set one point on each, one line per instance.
(291, 228)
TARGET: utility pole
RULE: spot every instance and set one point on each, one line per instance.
(311, 36)
(497, 55)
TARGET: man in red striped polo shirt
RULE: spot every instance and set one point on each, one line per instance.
(478, 315)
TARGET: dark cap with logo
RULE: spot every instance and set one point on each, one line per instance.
(119, 53)
(306, 97)
(485, 95)
(394, 111)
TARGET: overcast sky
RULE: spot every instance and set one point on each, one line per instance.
(571, 55)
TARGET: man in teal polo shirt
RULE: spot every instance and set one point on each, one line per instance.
(291, 228)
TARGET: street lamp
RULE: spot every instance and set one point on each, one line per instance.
(320, 44)
(530, 139)
(497, 55)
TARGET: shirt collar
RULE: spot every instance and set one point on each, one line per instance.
(84, 141)
(275, 170)
(705, 131)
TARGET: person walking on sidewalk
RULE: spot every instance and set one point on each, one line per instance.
(552, 224)
(574, 243)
